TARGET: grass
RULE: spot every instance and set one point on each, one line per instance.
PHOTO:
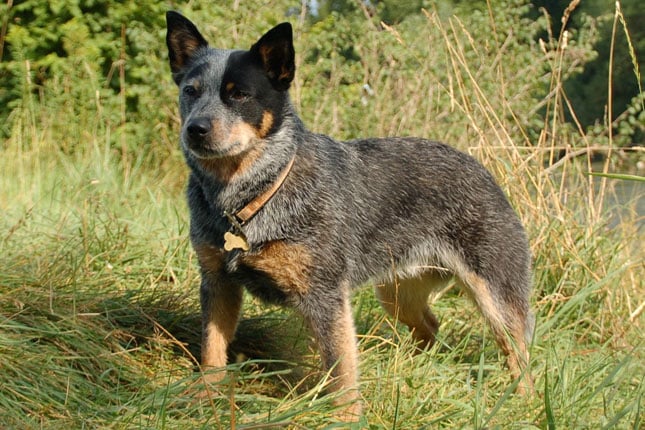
(99, 319)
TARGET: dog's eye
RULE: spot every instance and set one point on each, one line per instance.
(190, 91)
(238, 95)
(231, 92)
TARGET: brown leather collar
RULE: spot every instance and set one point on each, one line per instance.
(245, 214)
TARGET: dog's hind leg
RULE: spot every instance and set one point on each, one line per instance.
(407, 301)
(511, 321)
(332, 323)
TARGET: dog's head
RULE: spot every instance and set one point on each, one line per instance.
(230, 100)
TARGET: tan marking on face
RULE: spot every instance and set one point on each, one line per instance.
(227, 168)
(266, 124)
(229, 86)
(238, 137)
(241, 133)
(287, 264)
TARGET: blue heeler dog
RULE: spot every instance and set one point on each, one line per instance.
(298, 218)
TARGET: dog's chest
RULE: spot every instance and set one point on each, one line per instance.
(275, 272)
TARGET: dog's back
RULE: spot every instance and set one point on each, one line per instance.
(402, 201)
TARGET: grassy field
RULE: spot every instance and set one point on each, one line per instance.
(99, 313)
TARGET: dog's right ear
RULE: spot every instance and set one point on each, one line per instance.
(183, 40)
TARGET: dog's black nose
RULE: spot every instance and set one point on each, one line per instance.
(198, 129)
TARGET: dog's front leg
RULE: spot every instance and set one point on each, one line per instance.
(221, 303)
(332, 324)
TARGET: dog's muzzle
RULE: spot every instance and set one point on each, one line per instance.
(199, 138)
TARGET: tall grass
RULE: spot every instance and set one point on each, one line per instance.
(99, 319)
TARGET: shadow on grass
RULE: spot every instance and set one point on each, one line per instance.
(275, 342)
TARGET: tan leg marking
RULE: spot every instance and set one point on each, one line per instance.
(211, 259)
(220, 321)
(342, 341)
(221, 305)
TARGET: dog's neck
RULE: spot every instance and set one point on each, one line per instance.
(235, 238)
(245, 214)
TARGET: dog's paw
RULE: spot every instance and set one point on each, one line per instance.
(210, 384)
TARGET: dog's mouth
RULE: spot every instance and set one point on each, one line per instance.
(207, 139)
(227, 164)
(209, 151)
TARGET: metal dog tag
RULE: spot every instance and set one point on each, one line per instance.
(233, 241)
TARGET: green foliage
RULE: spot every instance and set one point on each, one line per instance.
(588, 87)
(368, 63)
(95, 63)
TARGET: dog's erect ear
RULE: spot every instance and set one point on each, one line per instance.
(275, 52)
(183, 40)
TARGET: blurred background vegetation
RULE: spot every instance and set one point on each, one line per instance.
(109, 57)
